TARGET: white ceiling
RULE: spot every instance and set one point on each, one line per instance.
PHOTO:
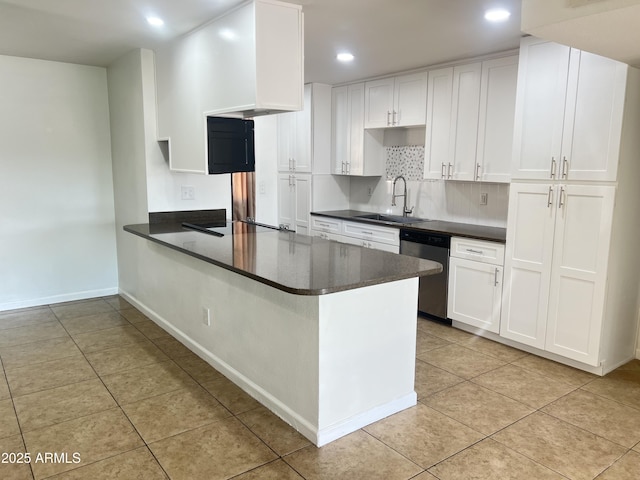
(385, 35)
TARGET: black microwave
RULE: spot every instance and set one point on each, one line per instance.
(231, 146)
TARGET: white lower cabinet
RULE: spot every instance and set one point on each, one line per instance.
(557, 252)
(475, 283)
(356, 233)
(294, 202)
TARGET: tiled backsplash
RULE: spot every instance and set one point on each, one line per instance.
(405, 160)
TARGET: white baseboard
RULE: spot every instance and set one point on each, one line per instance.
(318, 437)
(67, 297)
(638, 354)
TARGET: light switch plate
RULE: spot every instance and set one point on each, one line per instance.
(484, 198)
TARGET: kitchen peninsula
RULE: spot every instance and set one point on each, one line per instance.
(321, 333)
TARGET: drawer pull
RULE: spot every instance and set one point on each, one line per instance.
(366, 232)
(477, 252)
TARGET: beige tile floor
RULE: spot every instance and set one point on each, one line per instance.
(98, 378)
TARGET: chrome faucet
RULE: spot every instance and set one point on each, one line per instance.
(405, 211)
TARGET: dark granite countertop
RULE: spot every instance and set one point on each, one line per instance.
(481, 232)
(291, 262)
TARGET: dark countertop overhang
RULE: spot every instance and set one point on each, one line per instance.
(290, 262)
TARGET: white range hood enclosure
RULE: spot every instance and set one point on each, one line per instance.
(245, 63)
(605, 27)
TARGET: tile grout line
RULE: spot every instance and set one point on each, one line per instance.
(118, 406)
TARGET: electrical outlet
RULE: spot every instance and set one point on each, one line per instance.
(188, 192)
(262, 188)
(206, 316)
(484, 198)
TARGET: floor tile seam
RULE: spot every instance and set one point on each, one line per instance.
(96, 461)
(35, 341)
(75, 354)
(490, 437)
(57, 386)
(256, 434)
(259, 439)
(363, 429)
(546, 374)
(570, 425)
(533, 409)
(528, 371)
(113, 407)
(610, 399)
(541, 410)
(100, 329)
(35, 324)
(263, 465)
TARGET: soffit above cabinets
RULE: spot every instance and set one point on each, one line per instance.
(605, 27)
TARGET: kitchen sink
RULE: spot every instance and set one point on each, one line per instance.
(391, 218)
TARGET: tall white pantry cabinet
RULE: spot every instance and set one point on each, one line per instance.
(572, 273)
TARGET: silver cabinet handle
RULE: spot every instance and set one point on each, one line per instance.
(495, 277)
(477, 171)
(348, 168)
(550, 197)
(561, 198)
(343, 169)
(443, 170)
(565, 167)
(553, 167)
(449, 170)
(366, 232)
(388, 117)
(395, 117)
(293, 162)
(477, 252)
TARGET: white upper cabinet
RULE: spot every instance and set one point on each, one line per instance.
(396, 102)
(304, 136)
(258, 70)
(569, 111)
(294, 137)
(439, 101)
(463, 136)
(354, 150)
(497, 112)
(470, 112)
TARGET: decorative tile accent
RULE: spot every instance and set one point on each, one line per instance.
(405, 160)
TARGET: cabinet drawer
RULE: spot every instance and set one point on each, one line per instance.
(478, 250)
(325, 224)
(373, 233)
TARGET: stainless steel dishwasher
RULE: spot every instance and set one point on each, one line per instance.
(432, 294)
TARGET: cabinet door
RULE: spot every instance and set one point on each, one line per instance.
(495, 126)
(439, 96)
(340, 129)
(378, 103)
(540, 99)
(302, 157)
(593, 118)
(410, 100)
(355, 161)
(475, 293)
(286, 214)
(527, 269)
(579, 272)
(302, 201)
(286, 141)
(464, 120)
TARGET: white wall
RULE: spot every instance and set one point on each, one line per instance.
(266, 144)
(435, 200)
(57, 238)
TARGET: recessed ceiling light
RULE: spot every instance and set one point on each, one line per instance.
(155, 21)
(345, 57)
(497, 15)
